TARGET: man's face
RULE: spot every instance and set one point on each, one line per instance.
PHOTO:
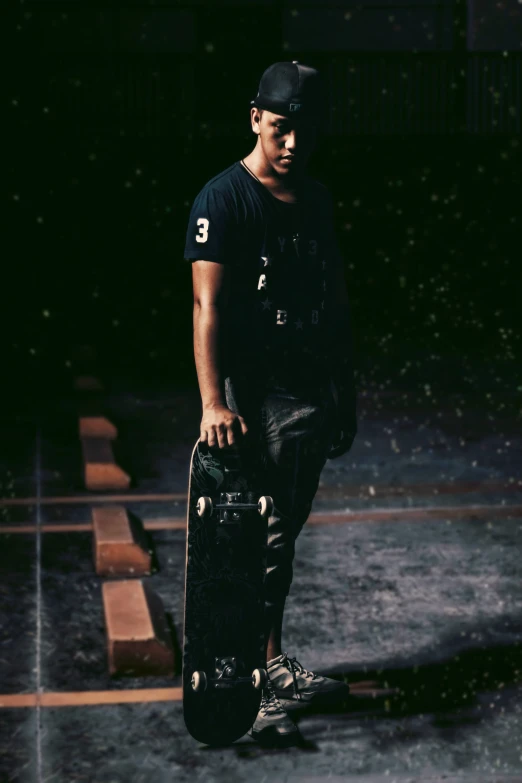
(284, 137)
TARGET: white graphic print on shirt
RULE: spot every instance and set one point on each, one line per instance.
(292, 287)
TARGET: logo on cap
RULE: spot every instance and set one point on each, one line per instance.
(295, 106)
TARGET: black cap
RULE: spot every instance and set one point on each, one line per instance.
(291, 89)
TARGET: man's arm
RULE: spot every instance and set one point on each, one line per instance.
(211, 284)
(210, 246)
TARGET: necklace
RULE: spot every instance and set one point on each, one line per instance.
(295, 234)
(245, 165)
(251, 172)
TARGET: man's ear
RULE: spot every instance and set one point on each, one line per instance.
(255, 119)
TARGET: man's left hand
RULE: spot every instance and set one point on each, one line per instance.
(342, 444)
(346, 424)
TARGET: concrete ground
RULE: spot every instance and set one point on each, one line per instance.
(413, 596)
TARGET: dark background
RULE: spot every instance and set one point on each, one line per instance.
(118, 114)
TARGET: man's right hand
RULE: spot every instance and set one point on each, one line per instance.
(221, 427)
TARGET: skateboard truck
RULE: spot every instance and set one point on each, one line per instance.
(225, 676)
(231, 503)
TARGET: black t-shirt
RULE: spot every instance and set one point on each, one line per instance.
(283, 257)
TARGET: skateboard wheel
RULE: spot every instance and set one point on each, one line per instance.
(259, 678)
(204, 507)
(199, 681)
(265, 505)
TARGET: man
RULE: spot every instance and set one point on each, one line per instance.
(272, 342)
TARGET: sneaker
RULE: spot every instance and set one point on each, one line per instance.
(294, 683)
(272, 725)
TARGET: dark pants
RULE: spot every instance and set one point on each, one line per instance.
(294, 431)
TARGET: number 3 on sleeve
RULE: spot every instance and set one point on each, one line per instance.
(203, 230)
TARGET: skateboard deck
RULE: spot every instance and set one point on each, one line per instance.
(223, 633)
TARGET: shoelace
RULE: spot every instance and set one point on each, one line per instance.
(294, 667)
(270, 703)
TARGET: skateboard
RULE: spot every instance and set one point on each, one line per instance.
(223, 634)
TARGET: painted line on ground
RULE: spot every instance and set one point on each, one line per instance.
(417, 513)
(323, 492)
(362, 689)
(85, 698)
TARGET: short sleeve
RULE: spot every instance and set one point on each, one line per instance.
(210, 231)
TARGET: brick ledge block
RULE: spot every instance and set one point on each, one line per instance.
(97, 427)
(100, 470)
(139, 641)
(120, 546)
(87, 383)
